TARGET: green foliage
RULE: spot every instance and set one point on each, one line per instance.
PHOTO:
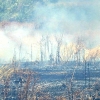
(16, 10)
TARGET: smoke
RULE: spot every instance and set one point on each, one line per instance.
(72, 18)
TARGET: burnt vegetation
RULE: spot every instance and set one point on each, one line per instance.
(73, 75)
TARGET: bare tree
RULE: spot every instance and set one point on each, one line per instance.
(59, 42)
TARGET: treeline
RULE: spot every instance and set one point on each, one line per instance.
(19, 10)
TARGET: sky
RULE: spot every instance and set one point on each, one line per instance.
(72, 18)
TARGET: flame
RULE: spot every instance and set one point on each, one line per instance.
(93, 53)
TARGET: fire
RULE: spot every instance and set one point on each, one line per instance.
(93, 53)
